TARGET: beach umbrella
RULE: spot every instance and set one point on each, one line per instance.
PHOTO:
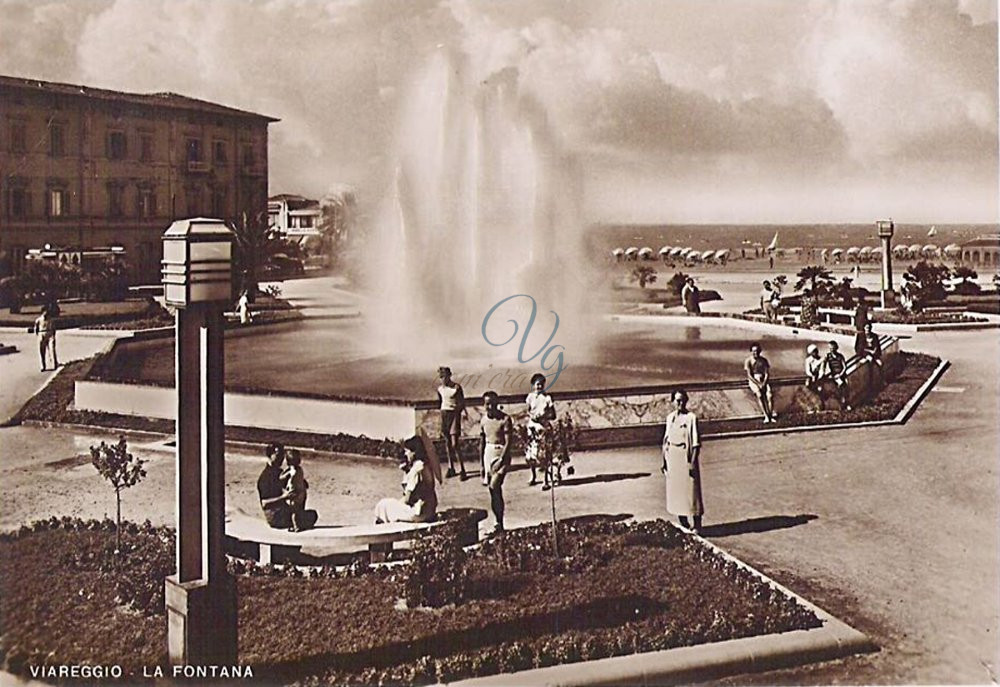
(631, 252)
(852, 253)
(684, 252)
(899, 251)
(645, 252)
(694, 256)
(930, 249)
(676, 251)
(823, 254)
(618, 252)
(836, 253)
(952, 249)
(665, 250)
(865, 251)
(915, 249)
(707, 255)
(876, 252)
(722, 254)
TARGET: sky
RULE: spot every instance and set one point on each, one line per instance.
(757, 111)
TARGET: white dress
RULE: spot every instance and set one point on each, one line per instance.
(683, 474)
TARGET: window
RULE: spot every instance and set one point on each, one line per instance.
(18, 202)
(116, 145)
(57, 140)
(18, 137)
(146, 147)
(248, 156)
(194, 150)
(146, 203)
(57, 202)
(221, 154)
(116, 206)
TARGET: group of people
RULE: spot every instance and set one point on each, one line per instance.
(282, 489)
(496, 438)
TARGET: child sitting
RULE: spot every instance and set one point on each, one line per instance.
(295, 483)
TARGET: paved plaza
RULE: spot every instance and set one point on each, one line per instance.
(892, 529)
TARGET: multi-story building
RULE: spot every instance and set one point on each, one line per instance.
(293, 216)
(82, 168)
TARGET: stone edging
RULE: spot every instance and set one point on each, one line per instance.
(687, 664)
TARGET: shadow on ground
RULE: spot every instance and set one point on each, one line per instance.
(608, 477)
(751, 525)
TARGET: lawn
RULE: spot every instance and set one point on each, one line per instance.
(618, 588)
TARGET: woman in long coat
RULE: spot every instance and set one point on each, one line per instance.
(681, 446)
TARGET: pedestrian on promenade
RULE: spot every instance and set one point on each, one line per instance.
(541, 415)
(758, 371)
(690, 297)
(767, 301)
(495, 440)
(681, 449)
(243, 309)
(45, 328)
(452, 400)
(835, 370)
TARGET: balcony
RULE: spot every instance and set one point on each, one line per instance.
(198, 167)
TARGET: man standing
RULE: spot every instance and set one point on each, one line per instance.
(271, 490)
(869, 349)
(689, 297)
(452, 400)
(45, 328)
(758, 371)
(496, 433)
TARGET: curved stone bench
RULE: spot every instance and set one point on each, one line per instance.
(272, 544)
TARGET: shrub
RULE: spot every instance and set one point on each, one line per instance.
(121, 469)
(436, 574)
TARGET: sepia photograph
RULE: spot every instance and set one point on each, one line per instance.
(499, 342)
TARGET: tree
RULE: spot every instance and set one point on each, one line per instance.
(122, 470)
(555, 444)
(966, 286)
(817, 277)
(926, 282)
(255, 244)
(644, 275)
(844, 292)
(676, 283)
(338, 212)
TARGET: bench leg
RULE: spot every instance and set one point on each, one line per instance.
(379, 552)
(264, 555)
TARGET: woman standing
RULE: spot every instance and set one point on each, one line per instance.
(681, 446)
(541, 414)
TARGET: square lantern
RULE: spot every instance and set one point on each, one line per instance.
(885, 228)
(197, 262)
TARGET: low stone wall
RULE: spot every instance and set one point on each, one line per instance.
(593, 411)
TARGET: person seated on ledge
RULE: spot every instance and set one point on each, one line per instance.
(835, 370)
(419, 502)
(814, 371)
(758, 371)
(271, 489)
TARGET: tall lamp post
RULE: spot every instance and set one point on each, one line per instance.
(201, 596)
(885, 228)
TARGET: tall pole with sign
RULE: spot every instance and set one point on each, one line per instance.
(885, 228)
(201, 596)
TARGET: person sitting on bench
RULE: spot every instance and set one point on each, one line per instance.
(419, 502)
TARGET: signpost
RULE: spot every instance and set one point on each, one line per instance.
(885, 228)
(201, 596)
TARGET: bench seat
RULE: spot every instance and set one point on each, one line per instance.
(272, 543)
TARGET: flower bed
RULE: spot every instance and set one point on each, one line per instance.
(618, 589)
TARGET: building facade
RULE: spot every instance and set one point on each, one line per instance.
(84, 168)
(983, 250)
(293, 216)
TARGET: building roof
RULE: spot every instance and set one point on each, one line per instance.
(986, 240)
(166, 99)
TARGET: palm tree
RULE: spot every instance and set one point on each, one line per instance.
(814, 275)
(255, 244)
